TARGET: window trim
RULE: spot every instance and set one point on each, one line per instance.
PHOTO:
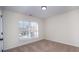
(37, 36)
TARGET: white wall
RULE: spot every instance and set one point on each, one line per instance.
(63, 28)
(11, 30)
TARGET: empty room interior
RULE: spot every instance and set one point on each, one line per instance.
(39, 28)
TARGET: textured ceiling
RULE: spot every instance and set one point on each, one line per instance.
(37, 12)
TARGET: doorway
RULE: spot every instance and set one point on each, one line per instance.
(1, 35)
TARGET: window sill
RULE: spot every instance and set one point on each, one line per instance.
(21, 38)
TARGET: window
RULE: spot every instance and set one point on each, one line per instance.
(28, 29)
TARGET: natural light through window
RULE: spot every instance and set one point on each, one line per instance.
(28, 29)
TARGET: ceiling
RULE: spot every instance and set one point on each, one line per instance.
(37, 12)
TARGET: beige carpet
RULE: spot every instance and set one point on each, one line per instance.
(45, 46)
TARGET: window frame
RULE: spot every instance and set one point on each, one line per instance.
(37, 30)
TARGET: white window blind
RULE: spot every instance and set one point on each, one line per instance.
(28, 29)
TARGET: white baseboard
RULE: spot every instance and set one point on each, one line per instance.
(28, 42)
(64, 43)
